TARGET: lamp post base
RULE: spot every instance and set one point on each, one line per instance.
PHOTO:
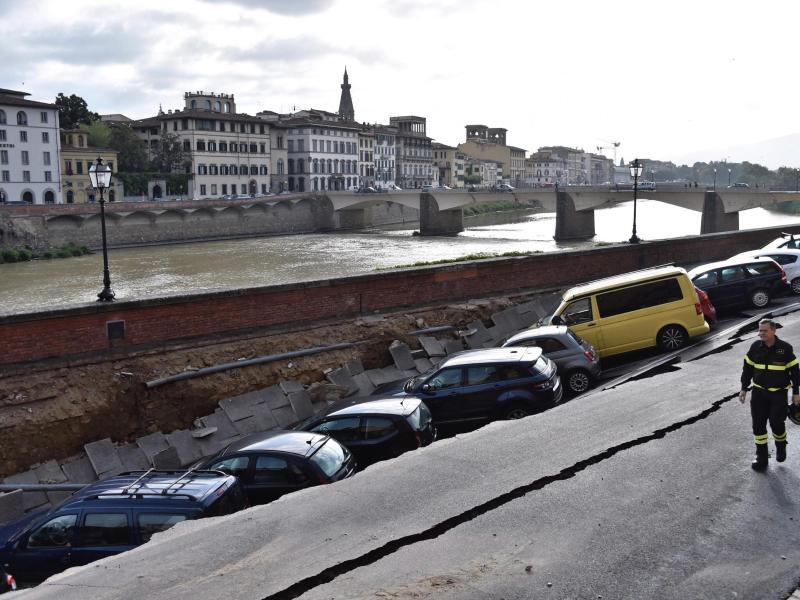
(634, 239)
(107, 295)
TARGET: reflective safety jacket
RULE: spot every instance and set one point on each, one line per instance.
(771, 368)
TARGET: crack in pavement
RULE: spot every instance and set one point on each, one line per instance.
(329, 574)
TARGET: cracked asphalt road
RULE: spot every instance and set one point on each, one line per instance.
(611, 511)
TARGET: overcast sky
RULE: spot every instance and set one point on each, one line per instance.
(666, 79)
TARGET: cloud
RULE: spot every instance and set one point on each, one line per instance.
(291, 8)
(76, 45)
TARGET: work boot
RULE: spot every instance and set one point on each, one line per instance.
(780, 451)
(762, 458)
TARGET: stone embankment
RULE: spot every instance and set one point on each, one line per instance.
(295, 390)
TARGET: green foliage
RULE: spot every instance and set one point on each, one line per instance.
(23, 255)
(47, 255)
(10, 255)
(73, 111)
(169, 154)
(132, 157)
(468, 257)
(97, 133)
(501, 206)
(136, 183)
(474, 179)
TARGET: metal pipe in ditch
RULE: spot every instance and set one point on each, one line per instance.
(42, 487)
(246, 363)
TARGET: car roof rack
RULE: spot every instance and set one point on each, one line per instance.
(139, 487)
(789, 235)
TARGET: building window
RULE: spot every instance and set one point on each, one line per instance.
(2, 135)
(212, 146)
(48, 176)
(213, 189)
(23, 136)
(243, 148)
(253, 148)
(43, 116)
(3, 157)
(68, 167)
(46, 158)
(201, 145)
(45, 137)
(263, 170)
(242, 128)
(22, 118)
(224, 189)
(70, 197)
(202, 190)
(291, 146)
(242, 169)
(26, 176)
(263, 188)
(80, 141)
(280, 166)
(25, 160)
(223, 146)
(2, 117)
(280, 141)
(301, 145)
(6, 175)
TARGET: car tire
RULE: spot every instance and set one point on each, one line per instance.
(672, 337)
(796, 285)
(516, 412)
(578, 381)
(759, 298)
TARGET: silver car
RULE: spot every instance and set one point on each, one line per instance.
(578, 363)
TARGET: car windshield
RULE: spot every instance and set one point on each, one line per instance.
(416, 381)
(330, 457)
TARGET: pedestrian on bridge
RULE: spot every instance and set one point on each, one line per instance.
(772, 367)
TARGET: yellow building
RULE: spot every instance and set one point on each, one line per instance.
(489, 143)
(76, 158)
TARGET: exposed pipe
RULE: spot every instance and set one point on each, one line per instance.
(42, 487)
(246, 363)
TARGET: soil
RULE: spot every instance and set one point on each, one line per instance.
(50, 411)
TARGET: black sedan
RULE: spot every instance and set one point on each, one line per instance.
(274, 463)
(375, 429)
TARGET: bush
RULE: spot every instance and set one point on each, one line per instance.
(23, 254)
(9, 255)
(47, 255)
(62, 253)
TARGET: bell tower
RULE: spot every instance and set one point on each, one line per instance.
(346, 112)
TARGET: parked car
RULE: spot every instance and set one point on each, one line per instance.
(787, 258)
(427, 189)
(273, 463)
(787, 240)
(632, 311)
(366, 190)
(111, 516)
(741, 282)
(578, 363)
(7, 582)
(443, 188)
(739, 184)
(484, 385)
(647, 185)
(709, 310)
(374, 429)
(503, 187)
(394, 188)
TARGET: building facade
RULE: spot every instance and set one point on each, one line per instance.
(546, 169)
(414, 157)
(29, 150)
(490, 172)
(385, 174)
(228, 153)
(366, 156)
(489, 143)
(76, 158)
(450, 163)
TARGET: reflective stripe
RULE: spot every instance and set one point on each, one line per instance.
(771, 389)
(761, 439)
(769, 367)
(777, 367)
(779, 437)
(790, 364)
(752, 364)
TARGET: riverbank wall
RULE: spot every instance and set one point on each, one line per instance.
(41, 227)
(115, 329)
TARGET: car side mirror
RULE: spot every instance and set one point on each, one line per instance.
(428, 388)
(557, 320)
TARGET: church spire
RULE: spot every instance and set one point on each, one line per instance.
(346, 111)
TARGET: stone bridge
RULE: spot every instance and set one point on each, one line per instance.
(439, 213)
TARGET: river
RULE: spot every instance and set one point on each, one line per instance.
(151, 271)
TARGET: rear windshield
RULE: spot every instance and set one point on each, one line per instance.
(756, 269)
(420, 418)
(330, 457)
(575, 338)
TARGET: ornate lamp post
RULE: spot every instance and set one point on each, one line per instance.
(100, 176)
(715, 179)
(729, 177)
(636, 172)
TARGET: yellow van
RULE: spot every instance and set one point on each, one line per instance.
(651, 307)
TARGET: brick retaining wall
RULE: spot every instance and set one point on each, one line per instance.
(84, 330)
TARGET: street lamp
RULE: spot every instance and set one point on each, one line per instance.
(715, 179)
(636, 172)
(797, 180)
(729, 177)
(100, 176)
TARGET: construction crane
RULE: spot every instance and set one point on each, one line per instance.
(615, 145)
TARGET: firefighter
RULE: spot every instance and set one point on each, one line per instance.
(772, 366)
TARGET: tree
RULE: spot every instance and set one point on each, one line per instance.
(97, 134)
(169, 154)
(73, 110)
(132, 157)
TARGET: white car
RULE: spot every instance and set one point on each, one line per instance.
(787, 258)
(786, 241)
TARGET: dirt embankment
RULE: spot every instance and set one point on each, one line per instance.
(50, 413)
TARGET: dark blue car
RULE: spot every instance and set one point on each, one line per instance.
(484, 385)
(112, 516)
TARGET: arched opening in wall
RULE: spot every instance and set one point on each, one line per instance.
(157, 192)
(301, 184)
(49, 197)
(112, 196)
(316, 184)
(27, 196)
(194, 104)
(253, 187)
(291, 184)
(3, 196)
(70, 197)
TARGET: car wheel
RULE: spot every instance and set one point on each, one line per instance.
(672, 337)
(796, 285)
(578, 381)
(759, 298)
(517, 412)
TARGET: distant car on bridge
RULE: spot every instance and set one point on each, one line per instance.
(647, 185)
(739, 184)
(504, 187)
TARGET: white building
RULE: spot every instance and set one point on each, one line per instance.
(229, 152)
(414, 157)
(30, 168)
(385, 156)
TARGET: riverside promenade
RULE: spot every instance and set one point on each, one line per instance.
(643, 490)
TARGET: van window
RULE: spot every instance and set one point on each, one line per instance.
(578, 312)
(105, 529)
(344, 430)
(761, 269)
(706, 279)
(783, 259)
(638, 297)
(56, 532)
(271, 469)
(150, 523)
(235, 465)
(729, 274)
